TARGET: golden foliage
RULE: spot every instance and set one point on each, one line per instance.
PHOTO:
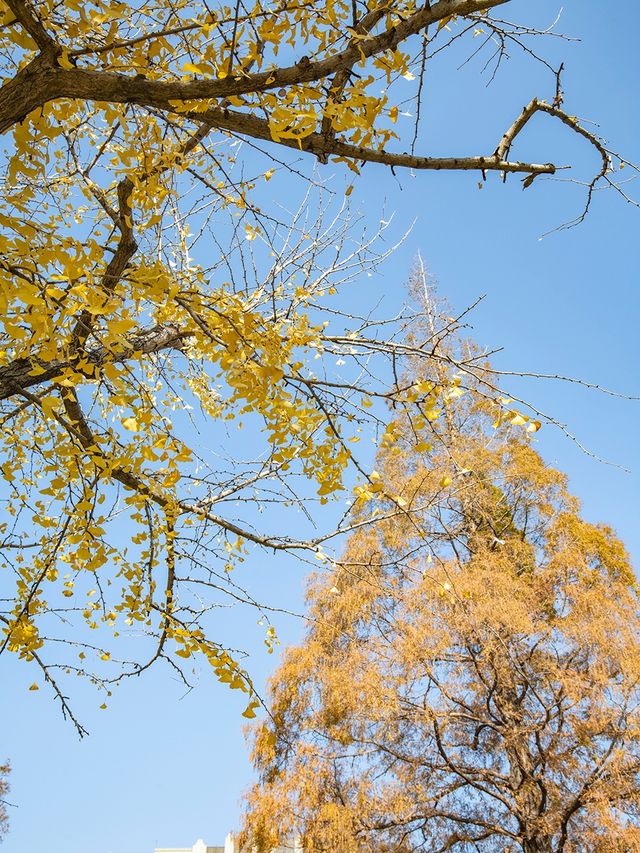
(470, 677)
(126, 371)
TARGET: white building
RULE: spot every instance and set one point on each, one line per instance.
(230, 846)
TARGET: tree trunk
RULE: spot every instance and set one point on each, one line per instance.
(528, 791)
(539, 843)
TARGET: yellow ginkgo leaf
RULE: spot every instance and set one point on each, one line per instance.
(34, 686)
(517, 419)
(445, 21)
(249, 712)
(130, 424)
(423, 447)
(446, 481)
(64, 61)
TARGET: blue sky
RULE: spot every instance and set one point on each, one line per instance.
(163, 768)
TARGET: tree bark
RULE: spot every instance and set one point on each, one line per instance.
(24, 373)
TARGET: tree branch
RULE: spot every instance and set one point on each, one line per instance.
(24, 373)
(87, 84)
(323, 147)
(29, 21)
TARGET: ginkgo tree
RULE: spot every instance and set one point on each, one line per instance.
(145, 294)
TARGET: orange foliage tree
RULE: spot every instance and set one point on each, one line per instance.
(470, 677)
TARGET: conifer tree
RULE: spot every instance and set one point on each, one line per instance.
(469, 680)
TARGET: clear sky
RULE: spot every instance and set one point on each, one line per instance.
(163, 768)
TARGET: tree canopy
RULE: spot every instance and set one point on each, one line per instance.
(469, 678)
(145, 295)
